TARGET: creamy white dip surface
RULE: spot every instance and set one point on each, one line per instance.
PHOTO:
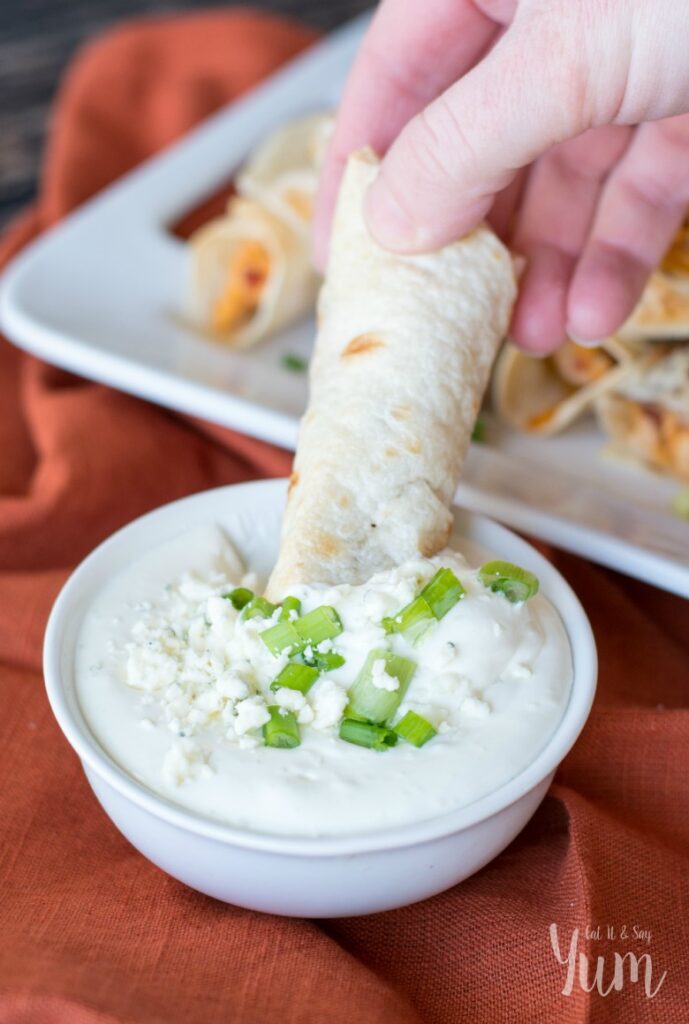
(175, 684)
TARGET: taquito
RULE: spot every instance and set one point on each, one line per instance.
(662, 312)
(251, 275)
(282, 173)
(545, 395)
(402, 356)
(647, 416)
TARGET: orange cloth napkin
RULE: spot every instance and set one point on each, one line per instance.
(90, 933)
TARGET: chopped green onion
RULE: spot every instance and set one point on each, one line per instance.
(282, 638)
(323, 623)
(680, 503)
(239, 597)
(291, 637)
(434, 602)
(258, 608)
(364, 734)
(373, 703)
(515, 583)
(478, 434)
(415, 729)
(282, 730)
(443, 592)
(296, 677)
(290, 604)
(413, 621)
(324, 661)
(297, 364)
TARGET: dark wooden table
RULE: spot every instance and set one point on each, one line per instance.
(37, 40)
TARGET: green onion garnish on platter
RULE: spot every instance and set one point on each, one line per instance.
(297, 364)
(258, 608)
(289, 605)
(296, 676)
(680, 503)
(415, 729)
(364, 734)
(323, 623)
(440, 594)
(372, 703)
(478, 434)
(515, 583)
(282, 730)
(239, 597)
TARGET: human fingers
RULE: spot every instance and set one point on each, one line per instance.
(406, 59)
(643, 204)
(503, 213)
(553, 223)
(441, 174)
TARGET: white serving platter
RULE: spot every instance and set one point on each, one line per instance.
(103, 295)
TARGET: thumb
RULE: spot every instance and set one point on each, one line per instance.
(439, 177)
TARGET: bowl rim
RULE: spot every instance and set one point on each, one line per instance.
(96, 758)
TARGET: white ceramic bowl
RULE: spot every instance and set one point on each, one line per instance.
(328, 877)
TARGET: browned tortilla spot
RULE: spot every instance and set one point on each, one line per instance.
(390, 453)
(400, 412)
(362, 343)
(293, 481)
(327, 546)
(432, 546)
(540, 419)
(300, 202)
(343, 501)
(414, 446)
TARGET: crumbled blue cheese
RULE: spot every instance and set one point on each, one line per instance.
(328, 702)
(161, 648)
(474, 707)
(250, 713)
(205, 666)
(185, 760)
(293, 700)
(380, 678)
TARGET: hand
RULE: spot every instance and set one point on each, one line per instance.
(563, 121)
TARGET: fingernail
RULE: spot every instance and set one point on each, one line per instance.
(389, 224)
(585, 342)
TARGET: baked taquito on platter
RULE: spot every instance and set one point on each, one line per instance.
(646, 416)
(251, 269)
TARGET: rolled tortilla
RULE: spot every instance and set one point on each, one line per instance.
(402, 356)
(545, 395)
(251, 275)
(282, 174)
(662, 312)
(647, 416)
(676, 260)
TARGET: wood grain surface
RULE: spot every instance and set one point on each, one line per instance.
(37, 40)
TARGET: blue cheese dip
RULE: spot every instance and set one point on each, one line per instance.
(175, 683)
